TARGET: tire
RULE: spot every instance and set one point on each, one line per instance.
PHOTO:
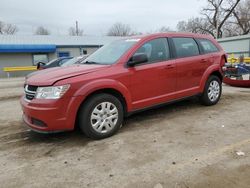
(100, 116)
(212, 92)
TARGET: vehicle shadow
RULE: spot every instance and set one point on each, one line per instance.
(160, 113)
(131, 123)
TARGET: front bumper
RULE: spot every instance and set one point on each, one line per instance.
(50, 115)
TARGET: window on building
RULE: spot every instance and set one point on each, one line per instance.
(208, 46)
(84, 52)
(185, 47)
(40, 58)
(63, 54)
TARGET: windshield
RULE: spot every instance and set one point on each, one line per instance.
(73, 61)
(52, 61)
(110, 53)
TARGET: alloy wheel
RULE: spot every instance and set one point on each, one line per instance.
(213, 90)
(104, 117)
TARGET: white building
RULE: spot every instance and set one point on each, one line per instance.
(239, 45)
(16, 50)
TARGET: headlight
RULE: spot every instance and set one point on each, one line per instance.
(53, 92)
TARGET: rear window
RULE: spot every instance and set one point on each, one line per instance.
(186, 47)
(208, 46)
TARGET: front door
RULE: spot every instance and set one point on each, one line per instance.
(154, 81)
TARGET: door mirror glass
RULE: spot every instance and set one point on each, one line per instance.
(40, 64)
(138, 58)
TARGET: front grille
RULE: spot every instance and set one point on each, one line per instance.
(32, 88)
(30, 91)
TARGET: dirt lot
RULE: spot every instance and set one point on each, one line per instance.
(183, 145)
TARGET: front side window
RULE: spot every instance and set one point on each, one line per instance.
(208, 46)
(185, 47)
(156, 50)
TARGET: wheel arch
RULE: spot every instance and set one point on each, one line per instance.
(213, 70)
(218, 74)
(110, 91)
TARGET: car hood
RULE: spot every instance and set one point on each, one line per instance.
(49, 76)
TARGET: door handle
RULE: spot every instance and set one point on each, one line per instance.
(204, 61)
(170, 66)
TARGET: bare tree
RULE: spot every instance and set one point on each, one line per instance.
(231, 29)
(120, 29)
(195, 25)
(1, 27)
(242, 17)
(220, 18)
(217, 12)
(7, 29)
(75, 32)
(42, 31)
(134, 33)
(164, 29)
(214, 19)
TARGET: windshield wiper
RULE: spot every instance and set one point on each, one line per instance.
(90, 62)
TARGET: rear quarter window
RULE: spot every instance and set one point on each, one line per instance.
(208, 46)
(185, 47)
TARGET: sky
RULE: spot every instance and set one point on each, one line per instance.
(95, 17)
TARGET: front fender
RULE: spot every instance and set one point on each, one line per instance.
(208, 72)
(96, 85)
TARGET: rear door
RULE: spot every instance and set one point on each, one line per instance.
(210, 50)
(190, 64)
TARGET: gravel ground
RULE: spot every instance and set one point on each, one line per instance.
(183, 145)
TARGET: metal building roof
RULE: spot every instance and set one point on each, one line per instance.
(242, 37)
(56, 40)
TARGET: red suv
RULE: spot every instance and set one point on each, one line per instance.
(121, 78)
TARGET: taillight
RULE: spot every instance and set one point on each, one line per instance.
(223, 60)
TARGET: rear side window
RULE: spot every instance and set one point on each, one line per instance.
(157, 50)
(186, 47)
(208, 46)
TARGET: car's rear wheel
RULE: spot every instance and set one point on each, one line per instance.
(101, 116)
(212, 92)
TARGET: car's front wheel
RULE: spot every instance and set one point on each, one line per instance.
(101, 116)
(212, 92)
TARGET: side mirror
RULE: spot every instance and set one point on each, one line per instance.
(39, 64)
(138, 59)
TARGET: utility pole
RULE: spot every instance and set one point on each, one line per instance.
(217, 22)
(77, 30)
